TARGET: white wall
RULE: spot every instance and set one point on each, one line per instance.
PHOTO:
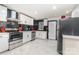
(75, 12)
(54, 18)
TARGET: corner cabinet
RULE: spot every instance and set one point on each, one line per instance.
(3, 13)
(25, 20)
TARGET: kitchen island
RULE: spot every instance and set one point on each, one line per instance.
(70, 45)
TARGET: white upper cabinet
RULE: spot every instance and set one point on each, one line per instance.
(13, 14)
(45, 22)
(3, 13)
(25, 20)
(30, 21)
(21, 19)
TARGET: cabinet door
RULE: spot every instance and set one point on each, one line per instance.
(37, 34)
(3, 44)
(45, 22)
(25, 20)
(3, 13)
(29, 36)
(43, 35)
(22, 19)
(13, 14)
(29, 21)
(26, 37)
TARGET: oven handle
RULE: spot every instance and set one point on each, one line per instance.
(16, 38)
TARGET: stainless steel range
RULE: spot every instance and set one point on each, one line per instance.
(15, 39)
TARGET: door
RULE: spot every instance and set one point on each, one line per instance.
(52, 29)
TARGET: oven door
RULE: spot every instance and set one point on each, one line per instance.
(15, 36)
(15, 40)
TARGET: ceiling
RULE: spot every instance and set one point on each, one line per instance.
(40, 11)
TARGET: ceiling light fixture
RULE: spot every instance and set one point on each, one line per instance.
(67, 12)
(36, 12)
(54, 7)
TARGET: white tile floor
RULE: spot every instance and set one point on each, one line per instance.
(37, 47)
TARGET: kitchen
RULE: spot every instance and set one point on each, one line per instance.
(17, 29)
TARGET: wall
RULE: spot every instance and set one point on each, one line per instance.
(53, 19)
(75, 12)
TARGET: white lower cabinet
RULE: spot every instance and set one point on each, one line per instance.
(27, 36)
(44, 35)
(41, 34)
(4, 42)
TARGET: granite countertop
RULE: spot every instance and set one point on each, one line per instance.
(5, 34)
(70, 37)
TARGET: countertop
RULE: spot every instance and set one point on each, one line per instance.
(42, 31)
(5, 34)
(34, 31)
(70, 37)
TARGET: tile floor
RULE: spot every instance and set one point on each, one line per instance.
(37, 47)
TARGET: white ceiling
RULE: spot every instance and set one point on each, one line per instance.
(39, 11)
